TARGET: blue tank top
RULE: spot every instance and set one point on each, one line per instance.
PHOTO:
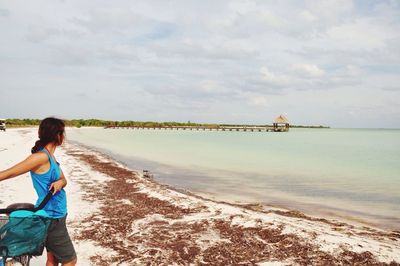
(57, 205)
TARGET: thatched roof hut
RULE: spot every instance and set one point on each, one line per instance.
(281, 120)
(281, 123)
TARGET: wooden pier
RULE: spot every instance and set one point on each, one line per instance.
(280, 124)
(218, 128)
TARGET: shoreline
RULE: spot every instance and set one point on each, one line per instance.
(118, 217)
(196, 210)
(308, 209)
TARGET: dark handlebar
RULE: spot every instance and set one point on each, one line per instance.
(33, 209)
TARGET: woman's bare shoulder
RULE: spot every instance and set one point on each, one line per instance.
(39, 156)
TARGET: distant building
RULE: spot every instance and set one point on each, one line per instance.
(281, 123)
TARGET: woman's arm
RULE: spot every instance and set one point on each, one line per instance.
(31, 162)
(59, 184)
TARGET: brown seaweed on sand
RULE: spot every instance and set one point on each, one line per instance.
(147, 230)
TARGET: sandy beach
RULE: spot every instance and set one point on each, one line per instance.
(118, 217)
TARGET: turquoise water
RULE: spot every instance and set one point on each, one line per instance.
(341, 172)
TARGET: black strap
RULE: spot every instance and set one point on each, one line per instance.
(41, 205)
(44, 201)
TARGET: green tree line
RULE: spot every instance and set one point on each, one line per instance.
(15, 122)
(103, 123)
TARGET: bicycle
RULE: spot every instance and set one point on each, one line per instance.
(11, 235)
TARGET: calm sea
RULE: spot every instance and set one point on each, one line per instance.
(347, 173)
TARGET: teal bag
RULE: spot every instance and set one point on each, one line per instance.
(24, 233)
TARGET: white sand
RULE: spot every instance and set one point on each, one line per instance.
(330, 238)
(15, 145)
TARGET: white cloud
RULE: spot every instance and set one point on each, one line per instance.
(275, 79)
(307, 70)
(209, 85)
(353, 70)
(330, 10)
(364, 34)
(258, 101)
(308, 16)
(41, 34)
(243, 7)
(227, 57)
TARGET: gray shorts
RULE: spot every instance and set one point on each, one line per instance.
(58, 241)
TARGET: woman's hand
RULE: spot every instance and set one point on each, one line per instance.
(57, 186)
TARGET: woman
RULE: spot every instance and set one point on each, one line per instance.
(46, 175)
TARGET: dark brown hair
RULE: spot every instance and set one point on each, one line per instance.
(50, 130)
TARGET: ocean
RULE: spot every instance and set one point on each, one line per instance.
(351, 174)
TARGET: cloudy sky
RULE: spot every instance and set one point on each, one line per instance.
(334, 63)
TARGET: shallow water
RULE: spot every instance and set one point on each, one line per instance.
(346, 172)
